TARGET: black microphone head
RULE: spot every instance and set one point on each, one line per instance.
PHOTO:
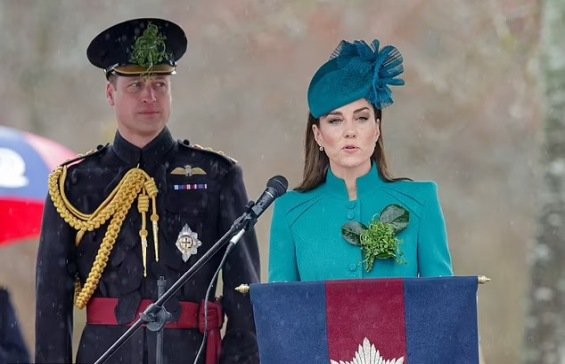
(278, 184)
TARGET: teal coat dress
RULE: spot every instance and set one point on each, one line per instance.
(307, 245)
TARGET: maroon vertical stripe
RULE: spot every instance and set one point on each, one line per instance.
(372, 309)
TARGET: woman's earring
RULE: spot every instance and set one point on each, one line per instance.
(321, 148)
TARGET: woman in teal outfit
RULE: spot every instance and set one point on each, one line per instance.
(349, 218)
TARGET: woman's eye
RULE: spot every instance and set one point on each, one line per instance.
(334, 121)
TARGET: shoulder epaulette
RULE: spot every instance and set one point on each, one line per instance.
(90, 153)
(186, 144)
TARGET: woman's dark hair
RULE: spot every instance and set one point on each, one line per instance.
(316, 163)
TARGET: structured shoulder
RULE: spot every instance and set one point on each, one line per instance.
(294, 197)
(80, 157)
(294, 202)
(418, 192)
(207, 150)
(416, 187)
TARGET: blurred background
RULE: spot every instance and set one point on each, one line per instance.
(469, 117)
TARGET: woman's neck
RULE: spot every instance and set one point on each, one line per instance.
(351, 189)
(350, 176)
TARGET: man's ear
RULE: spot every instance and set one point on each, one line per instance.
(110, 93)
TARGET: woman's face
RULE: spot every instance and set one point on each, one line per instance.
(348, 135)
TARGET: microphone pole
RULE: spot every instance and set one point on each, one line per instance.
(155, 315)
(276, 187)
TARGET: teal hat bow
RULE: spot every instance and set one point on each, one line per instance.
(355, 71)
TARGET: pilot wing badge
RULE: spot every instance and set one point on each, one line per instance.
(188, 170)
(187, 242)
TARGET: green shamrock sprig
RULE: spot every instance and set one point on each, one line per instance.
(149, 49)
(379, 240)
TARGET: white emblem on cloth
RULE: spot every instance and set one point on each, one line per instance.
(187, 242)
(368, 354)
(13, 169)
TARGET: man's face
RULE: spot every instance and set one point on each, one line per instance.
(142, 105)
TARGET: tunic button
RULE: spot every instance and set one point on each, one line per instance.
(351, 205)
(352, 267)
(350, 215)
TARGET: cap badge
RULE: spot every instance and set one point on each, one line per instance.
(149, 48)
(187, 242)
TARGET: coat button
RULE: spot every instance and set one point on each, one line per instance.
(350, 215)
(352, 267)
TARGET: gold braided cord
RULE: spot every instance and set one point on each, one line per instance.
(115, 206)
(151, 189)
(143, 207)
(60, 175)
(102, 256)
(77, 219)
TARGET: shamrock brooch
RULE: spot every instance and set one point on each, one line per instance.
(378, 240)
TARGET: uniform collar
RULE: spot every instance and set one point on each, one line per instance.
(148, 156)
(365, 184)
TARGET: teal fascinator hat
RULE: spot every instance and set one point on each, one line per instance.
(355, 71)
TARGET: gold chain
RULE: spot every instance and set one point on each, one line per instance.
(135, 182)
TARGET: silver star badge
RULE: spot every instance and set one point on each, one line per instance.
(187, 242)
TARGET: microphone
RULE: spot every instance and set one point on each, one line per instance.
(276, 187)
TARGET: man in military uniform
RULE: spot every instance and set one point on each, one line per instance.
(13, 348)
(144, 207)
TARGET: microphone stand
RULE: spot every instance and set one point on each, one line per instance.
(163, 318)
(155, 316)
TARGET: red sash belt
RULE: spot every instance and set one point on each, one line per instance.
(101, 311)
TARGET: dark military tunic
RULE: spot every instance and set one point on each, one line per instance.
(12, 345)
(209, 211)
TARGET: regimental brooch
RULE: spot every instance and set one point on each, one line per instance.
(187, 242)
